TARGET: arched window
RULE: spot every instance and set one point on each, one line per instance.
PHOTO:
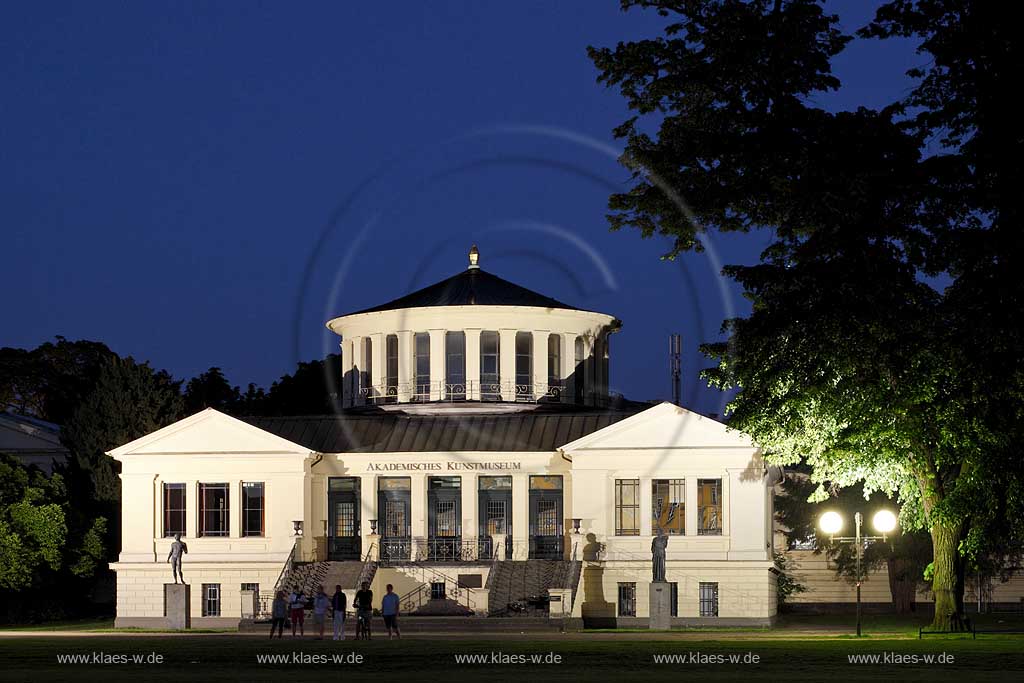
(524, 366)
(579, 373)
(455, 366)
(490, 367)
(391, 371)
(421, 366)
(554, 365)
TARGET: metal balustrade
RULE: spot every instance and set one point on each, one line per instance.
(472, 390)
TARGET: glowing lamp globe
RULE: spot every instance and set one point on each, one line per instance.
(884, 521)
(831, 522)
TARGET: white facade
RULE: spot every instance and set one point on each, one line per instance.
(424, 479)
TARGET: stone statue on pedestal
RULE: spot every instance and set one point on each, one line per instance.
(178, 548)
(658, 546)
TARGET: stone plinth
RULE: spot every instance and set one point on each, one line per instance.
(176, 605)
(661, 606)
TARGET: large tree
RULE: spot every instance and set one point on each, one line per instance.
(848, 360)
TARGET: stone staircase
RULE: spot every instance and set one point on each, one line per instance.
(517, 587)
(311, 575)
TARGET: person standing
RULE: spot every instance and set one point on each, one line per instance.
(389, 609)
(338, 605)
(297, 603)
(363, 603)
(278, 614)
(320, 604)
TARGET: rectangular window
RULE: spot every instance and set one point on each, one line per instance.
(668, 505)
(174, 509)
(455, 366)
(437, 591)
(252, 508)
(627, 507)
(421, 366)
(578, 374)
(708, 599)
(490, 367)
(211, 599)
(709, 507)
(213, 510)
(524, 366)
(544, 482)
(391, 363)
(673, 599)
(554, 365)
(627, 599)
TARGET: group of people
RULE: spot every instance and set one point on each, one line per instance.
(294, 607)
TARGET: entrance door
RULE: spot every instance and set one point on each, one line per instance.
(546, 538)
(344, 541)
(394, 506)
(495, 515)
(444, 518)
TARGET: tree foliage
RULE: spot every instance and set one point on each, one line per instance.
(32, 526)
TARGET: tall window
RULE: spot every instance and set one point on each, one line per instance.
(668, 505)
(708, 599)
(213, 510)
(421, 366)
(554, 365)
(524, 366)
(211, 599)
(174, 509)
(455, 365)
(579, 372)
(605, 352)
(709, 507)
(490, 367)
(627, 599)
(627, 507)
(252, 508)
(391, 363)
(366, 374)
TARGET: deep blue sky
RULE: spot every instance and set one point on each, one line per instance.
(201, 184)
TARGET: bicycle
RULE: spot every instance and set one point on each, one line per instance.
(363, 621)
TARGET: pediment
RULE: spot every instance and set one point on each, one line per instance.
(209, 431)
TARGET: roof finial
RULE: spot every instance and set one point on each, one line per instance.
(474, 258)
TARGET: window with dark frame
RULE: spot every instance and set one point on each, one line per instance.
(421, 366)
(627, 599)
(437, 590)
(579, 373)
(455, 366)
(391, 369)
(213, 510)
(524, 366)
(708, 599)
(253, 515)
(174, 509)
(554, 364)
(490, 366)
(668, 497)
(211, 599)
(627, 507)
(709, 507)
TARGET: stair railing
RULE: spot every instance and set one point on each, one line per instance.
(369, 568)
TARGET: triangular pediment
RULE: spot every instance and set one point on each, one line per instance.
(209, 431)
(662, 426)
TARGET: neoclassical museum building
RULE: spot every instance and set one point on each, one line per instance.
(480, 465)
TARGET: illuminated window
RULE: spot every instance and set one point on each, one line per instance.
(627, 507)
(668, 506)
(174, 509)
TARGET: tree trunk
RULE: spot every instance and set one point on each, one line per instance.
(945, 538)
(902, 588)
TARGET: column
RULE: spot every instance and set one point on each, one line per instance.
(473, 364)
(355, 378)
(418, 503)
(404, 366)
(540, 364)
(507, 364)
(470, 528)
(191, 509)
(568, 366)
(368, 511)
(234, 509)
(646, 507)
(520, 515)
(437, 358)
(377, 365)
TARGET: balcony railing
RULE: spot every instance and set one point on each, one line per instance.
(471, 390)
(466, 549)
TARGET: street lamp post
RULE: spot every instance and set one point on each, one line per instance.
(832, 522)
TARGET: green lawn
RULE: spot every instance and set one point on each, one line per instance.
(597, 657)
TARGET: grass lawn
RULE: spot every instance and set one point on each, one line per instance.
(586, 657)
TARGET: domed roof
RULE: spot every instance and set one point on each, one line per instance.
(471, 287)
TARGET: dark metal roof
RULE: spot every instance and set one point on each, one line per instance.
(470, 287)
(387, 432)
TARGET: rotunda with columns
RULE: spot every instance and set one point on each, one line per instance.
(470, 340)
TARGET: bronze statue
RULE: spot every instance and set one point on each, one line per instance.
(178, 548)
(658, 546)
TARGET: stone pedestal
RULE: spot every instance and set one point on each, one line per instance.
(250, 605)
(176, 605)
(661, 606)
